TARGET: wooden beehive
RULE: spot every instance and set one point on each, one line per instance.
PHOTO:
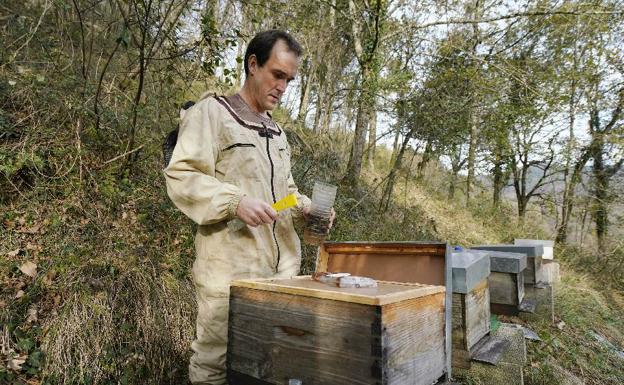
(534, 272)
(506, 281)
(411, 262)
(548, 246)
(550, 268)
(297, 328)
(471, 304)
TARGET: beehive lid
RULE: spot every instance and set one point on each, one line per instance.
(529, 250)
(469, 268)
(505, 262)
(385, 293)
(548, 246)
(414, 262)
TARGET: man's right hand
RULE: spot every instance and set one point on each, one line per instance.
(255, 212)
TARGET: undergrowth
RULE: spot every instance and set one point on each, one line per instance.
(572, 350)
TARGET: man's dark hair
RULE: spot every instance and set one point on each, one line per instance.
(262, 44)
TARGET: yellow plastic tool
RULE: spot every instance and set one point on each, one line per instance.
(285, 203)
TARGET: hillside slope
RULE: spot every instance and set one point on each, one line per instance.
(96, 288)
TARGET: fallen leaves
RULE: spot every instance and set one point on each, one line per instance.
(30, 230)
(32, 315)
(34, 247)
(20, 293)
(15, 363)
(49, 278)
(14, 253)
(29, 268)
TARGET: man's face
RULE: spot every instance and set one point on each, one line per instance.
(269, 82)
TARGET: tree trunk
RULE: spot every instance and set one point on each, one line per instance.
(569, 195)
(395, 144)
(452, 183)
(354, 167)
(601, 188)
(426, 157)
(569, 181)
(474, 114)
(386, 196)
(522, 206)
(306, 85)
(369, 72)
(456, 165)
(318, 113)
(472, 150)
(499, 180)
(329, 104)
(372, 139)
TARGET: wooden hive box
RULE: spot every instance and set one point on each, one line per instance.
(506, 281)
(411, 262)
(548, 246)
(297, 328)
(471, 304)
(534, 272)
(549, 266)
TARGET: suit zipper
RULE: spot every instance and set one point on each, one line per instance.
(268, 150)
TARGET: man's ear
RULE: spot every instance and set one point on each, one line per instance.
(252, 64)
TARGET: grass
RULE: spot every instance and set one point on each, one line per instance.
(570, 350)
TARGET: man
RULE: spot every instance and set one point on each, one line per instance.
(231, 161)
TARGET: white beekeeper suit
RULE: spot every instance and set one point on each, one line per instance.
(225, 151)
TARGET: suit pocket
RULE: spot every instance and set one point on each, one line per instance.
(238, 162)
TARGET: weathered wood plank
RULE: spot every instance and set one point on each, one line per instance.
(534, 273)
(413, 340)
(460, 354)
(477, 312)
(384, 247)
(321, 260)
(384, 293)
(506, 288)
(276, 336)
(459, 324)
(471, 322)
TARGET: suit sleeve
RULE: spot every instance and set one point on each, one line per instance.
(190, 176)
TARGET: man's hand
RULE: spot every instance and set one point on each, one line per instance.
(255, 212)
(332, 216)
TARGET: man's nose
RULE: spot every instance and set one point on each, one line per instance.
(281, 85)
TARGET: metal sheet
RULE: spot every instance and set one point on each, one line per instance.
(491, 350)
(505, 261)
(530, 251)
(469, 268)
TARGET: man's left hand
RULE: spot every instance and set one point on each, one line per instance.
(332, 216)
